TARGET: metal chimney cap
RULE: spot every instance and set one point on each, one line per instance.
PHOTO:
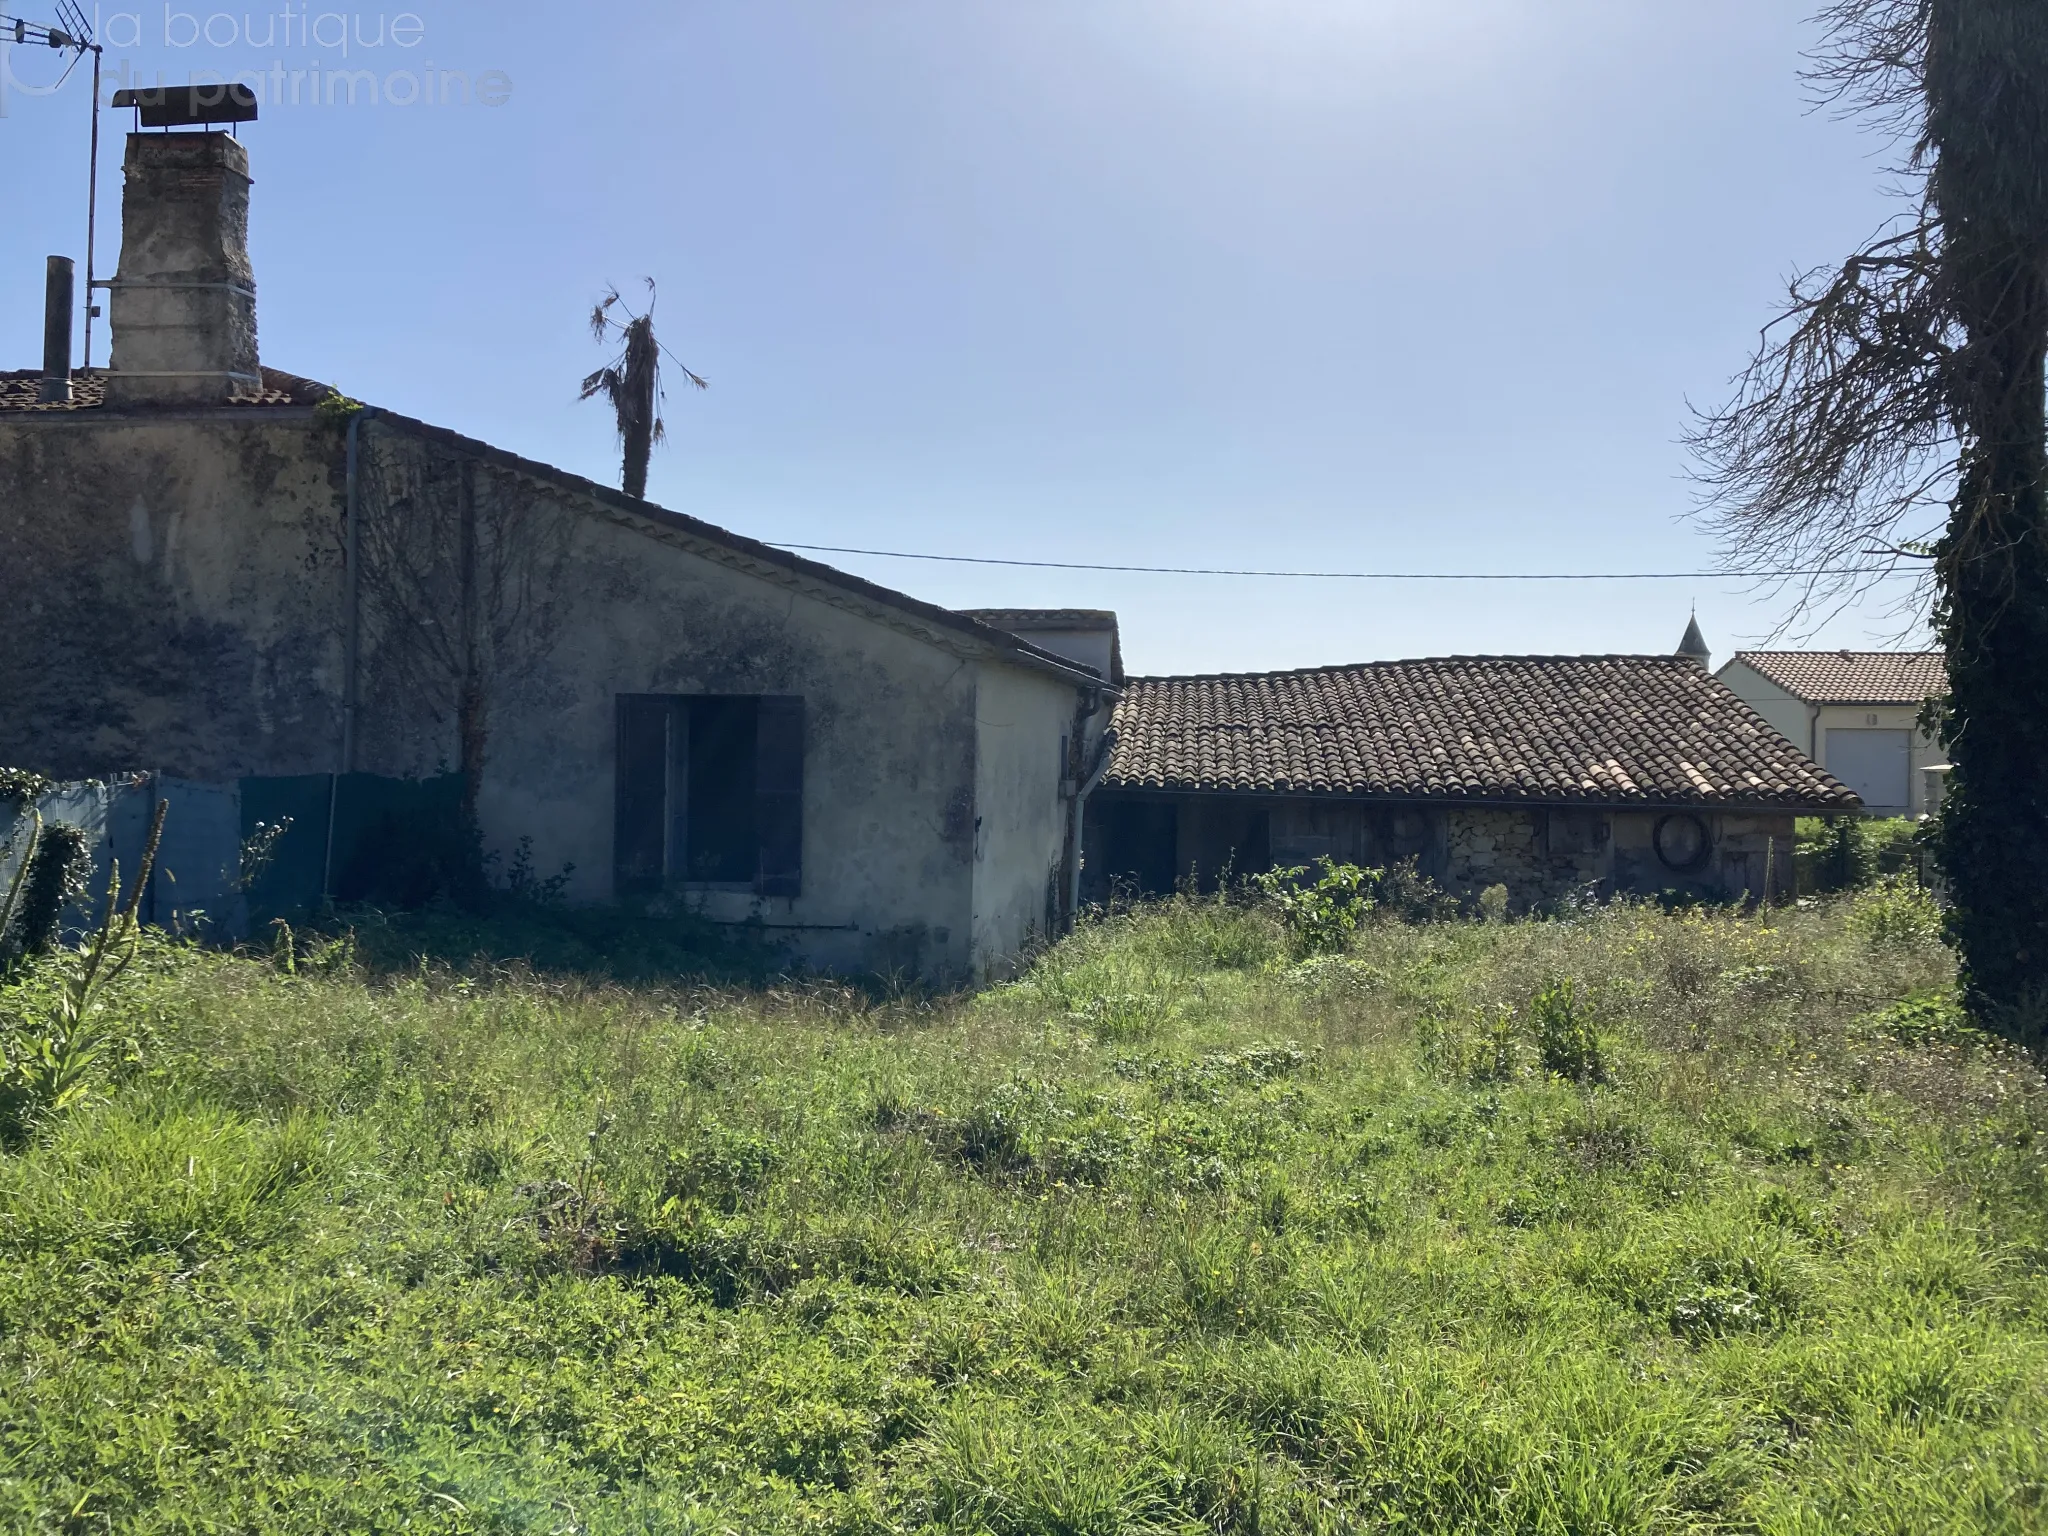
(190, 106)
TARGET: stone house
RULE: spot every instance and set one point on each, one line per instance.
(1549, 775)
(1857, 714)
(233, 577)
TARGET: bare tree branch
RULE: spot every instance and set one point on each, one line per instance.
(1841, 442)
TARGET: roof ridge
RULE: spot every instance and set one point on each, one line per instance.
(1660, 659)
(1851, 651)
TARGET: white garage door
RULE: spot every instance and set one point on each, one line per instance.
(1873, 763)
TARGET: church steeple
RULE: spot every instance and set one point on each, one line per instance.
(1695, 644)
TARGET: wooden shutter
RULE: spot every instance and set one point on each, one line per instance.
(640, 837)
(779, 795)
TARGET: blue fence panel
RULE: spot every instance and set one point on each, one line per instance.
(355, 837)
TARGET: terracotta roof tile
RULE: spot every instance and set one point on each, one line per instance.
(1605, 729)
(18, 391)
(1853, 677)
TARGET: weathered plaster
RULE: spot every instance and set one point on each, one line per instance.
(178, 602)
(1021, 720)
(171, 593)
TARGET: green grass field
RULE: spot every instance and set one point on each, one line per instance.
(1741, 1231)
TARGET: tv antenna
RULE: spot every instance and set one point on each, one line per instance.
(72, 33)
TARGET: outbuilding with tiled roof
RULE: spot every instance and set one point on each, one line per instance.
(1546, 774)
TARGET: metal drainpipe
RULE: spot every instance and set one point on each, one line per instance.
(350, 643)
(1087, 788)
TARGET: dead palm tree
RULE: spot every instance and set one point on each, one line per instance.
(632, 383)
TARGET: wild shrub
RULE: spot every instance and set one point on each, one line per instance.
(719, 1165)
(53, 871)
(1852, 853)
(1320, 916)
(1093, 1155)
(1566, 1040)
(992, 1134)
(1895, 913)
(1922, 1019)
(1403, 891)
(1477, 1047)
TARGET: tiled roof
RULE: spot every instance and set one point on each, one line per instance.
(1853, 677)
(18, 391)
(1556, 729)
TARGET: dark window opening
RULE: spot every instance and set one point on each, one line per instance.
(1142, 841)
(719, 841)
(710, 792)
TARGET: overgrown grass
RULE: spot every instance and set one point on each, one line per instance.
(1623, 1223)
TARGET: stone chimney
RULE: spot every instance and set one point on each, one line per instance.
(184, 300)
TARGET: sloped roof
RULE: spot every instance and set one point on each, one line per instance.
(1853, 677)
(18, 393)
(1614, 730)
(744, 552)
(1042, 621)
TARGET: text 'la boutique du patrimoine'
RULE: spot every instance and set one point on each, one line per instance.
(351, 45)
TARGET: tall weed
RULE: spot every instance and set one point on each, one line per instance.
(1566, 1040)
(1168, 1235)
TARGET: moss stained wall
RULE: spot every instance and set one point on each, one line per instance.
(172, 593)
(177, 598)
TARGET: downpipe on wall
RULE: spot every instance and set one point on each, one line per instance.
(1076, 820)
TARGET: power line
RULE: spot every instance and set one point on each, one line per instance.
(1203, 570)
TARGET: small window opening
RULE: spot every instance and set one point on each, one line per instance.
(710, 793)
(719, 841)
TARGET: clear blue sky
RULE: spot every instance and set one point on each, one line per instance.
(1334, 284)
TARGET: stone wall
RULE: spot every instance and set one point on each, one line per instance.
(1543, 855)
(1539, 863)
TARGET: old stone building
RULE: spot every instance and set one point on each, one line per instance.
(231, 576)
(1549, 775)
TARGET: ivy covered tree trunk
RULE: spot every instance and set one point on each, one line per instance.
(1987, 91)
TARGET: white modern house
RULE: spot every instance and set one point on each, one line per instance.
(1856, 714)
